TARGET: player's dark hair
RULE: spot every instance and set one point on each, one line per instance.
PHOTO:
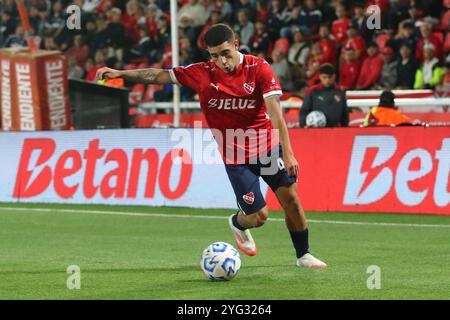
(218, 34)
(327, 68)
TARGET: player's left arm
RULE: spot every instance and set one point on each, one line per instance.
(276, 116)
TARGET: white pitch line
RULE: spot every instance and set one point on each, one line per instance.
(185, 216)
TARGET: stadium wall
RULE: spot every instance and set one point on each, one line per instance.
(403, 169)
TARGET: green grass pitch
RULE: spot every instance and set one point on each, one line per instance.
(154, 253)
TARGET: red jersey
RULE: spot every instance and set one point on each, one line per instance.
(339, 29)
(235, 101)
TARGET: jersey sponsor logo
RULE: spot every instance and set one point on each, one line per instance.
(252, 65)
(215, 86)
(249, 198)
(249, 87)
(232, 104)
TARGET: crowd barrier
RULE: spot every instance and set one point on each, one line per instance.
(384, 169)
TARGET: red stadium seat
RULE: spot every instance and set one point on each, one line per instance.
(149, 95)
(136, 94)
(130, 66)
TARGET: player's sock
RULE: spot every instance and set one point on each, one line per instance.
(300, 241)
(236, 223)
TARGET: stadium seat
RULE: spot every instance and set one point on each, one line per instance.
(136, 93)
(149, 95)
(130, 66)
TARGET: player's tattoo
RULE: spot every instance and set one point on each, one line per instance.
(145, 76)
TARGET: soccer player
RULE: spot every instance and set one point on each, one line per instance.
(241, 93)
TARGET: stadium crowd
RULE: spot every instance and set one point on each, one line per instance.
(409, 50)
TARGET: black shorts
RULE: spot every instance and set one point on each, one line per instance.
(245, 180)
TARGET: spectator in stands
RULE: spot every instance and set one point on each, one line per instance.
(245, 28)
(289, 18)
(310, 16)
(152, 15)
(215, 18)
(73, 69)
(225, 9)
(430, 73)
(79, 50)
(99, 62)
(314, 62)
(262, 10)
(328, 45)
(445, 78)
(275, 20)
(339, 26)
(259, 43)
(209, 6)
(428, 38)
(370, 69)
(115, 32)
(386, 114)
(245, 5)
(191, 17)
(406, 35)
(328, 99)
(8, 26)
(349, 70)
(49, 44)
(144, 46)
(299, 50)
(17, 39)
(359, 22)
(406, 68)
(163, 35)
(355, 41)
(388, 76)
(282, 70)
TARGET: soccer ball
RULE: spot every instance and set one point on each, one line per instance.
(220, 261)
(316, 119)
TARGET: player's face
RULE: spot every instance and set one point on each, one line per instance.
(225, 56)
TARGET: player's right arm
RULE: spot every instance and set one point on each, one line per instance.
(145, 76)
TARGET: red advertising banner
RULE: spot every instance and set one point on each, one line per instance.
(404, 169)
(292, 119)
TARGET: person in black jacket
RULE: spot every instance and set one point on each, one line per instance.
(406, 68)
(328, 99)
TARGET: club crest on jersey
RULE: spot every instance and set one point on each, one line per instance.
(249, 87)
(249, 198)
(337, 98)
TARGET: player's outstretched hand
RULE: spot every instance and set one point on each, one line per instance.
(107, 74)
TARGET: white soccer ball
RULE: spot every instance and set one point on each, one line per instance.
(220, 261)
(316, 119)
